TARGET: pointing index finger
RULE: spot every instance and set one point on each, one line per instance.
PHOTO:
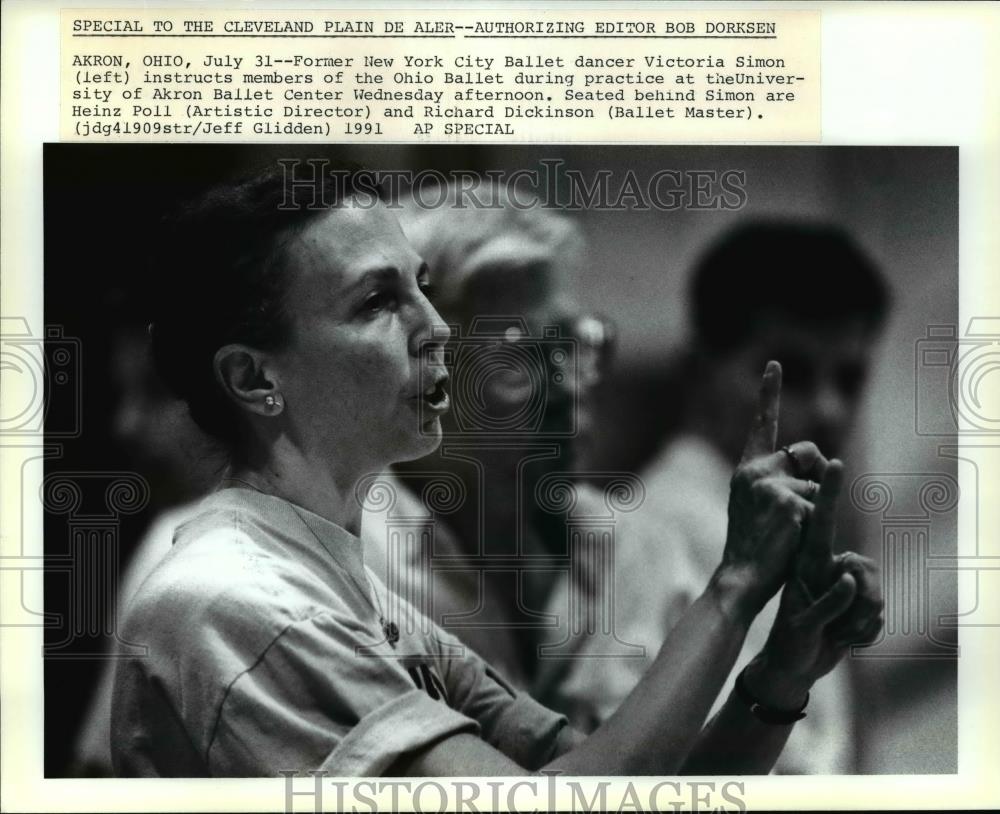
(764, 431)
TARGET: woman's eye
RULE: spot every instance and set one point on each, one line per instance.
(378, 301)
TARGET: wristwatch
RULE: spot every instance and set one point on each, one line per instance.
(764, 713)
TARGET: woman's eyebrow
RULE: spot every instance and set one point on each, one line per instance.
(380, 274)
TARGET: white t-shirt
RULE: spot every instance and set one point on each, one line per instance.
(92, 750)
(267, 652)
(418, 555)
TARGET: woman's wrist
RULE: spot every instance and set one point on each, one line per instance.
(776, 687)
(736, 593)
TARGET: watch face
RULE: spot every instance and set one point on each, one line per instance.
(391, 631)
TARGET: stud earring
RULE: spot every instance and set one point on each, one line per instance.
(272, 402)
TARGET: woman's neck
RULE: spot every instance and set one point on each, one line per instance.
(320, 488)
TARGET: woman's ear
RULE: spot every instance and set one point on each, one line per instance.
(239, 369)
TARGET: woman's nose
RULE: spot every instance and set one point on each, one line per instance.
(431, 333)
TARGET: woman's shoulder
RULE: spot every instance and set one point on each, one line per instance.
(224, 573)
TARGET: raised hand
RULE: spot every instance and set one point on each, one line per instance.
(831, 602)
(815, 565)
(769, 499)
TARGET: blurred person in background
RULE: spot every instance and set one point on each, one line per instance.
(503, 273)
(161, 442)
(152, 427)
(808, 296)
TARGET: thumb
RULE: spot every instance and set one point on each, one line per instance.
(831, 604)
(816, 560)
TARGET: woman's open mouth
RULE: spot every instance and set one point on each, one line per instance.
(435, 397)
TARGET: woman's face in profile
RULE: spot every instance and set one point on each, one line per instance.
(361, 374)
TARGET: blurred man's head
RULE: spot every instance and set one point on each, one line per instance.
(503, 274)
(802, 293)
(152, 427)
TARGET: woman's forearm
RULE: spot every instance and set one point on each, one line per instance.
(657, 725)
(736, 741)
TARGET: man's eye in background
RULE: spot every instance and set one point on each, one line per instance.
(796, 372)
(429, 290)
(850, 378)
